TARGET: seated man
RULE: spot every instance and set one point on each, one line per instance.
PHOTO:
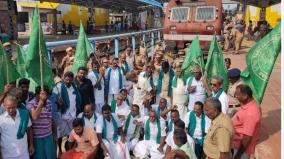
(89, 117)
(197, 125)
(120, 108)
(183, 150)
(154, 137)
(86, 140)
(131, 128)
(179, 124)
(110, 135)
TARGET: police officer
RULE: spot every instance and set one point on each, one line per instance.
(235, 80)
(238, 35)
(228, 35)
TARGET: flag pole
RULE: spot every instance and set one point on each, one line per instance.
(40, 53)
(7, 67)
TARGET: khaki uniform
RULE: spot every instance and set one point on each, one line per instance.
(231, 93)
(143, 51)
(139, 60)
(219, 137)
(227, 36)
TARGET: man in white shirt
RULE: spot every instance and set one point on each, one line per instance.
(162, 109)
(127, 99)
(154, 138)
(197, 125)
(14, 134)
(89, 117)
(112, 140)
(140, 89)
(179, 91)
(132, 128)
(218, 92)
(179, 124)
(120, 108)
(123, 63)
(114, 80)
(70, 101)
(97, 78)
(129, 58)
(195, 88)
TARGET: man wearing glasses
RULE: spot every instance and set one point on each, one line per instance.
(218, 92)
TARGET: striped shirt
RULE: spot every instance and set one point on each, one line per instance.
(42, 127)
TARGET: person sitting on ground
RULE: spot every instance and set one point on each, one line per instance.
(85, 139)
(183, 150)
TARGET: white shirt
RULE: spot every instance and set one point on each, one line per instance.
(99, 94)
(10, 145)
(142, 75)
(197, 132)
(156, 107)
(109, 126)
(154, 128)
(198, 95)
(114, 80)
(170, 141)
(90, 123)
(139, 91)
(129, 60)
(123, 109)
(179, 93)
(71, 111)
(131, 127)
(224, 99)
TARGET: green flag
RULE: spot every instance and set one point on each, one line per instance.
(260, 61)
(193, 57)
(20, 62)
(83, 50)
(8, 70)
(215, 64)
(37, 61)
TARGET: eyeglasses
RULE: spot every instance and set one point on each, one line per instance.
(214, 85)
(196, 72)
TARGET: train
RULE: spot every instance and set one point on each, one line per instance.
(186, 19)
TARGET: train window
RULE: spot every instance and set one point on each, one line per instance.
(180, 14)
(206, 13)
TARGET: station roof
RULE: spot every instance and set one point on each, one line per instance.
(127, 5)
(260, 3)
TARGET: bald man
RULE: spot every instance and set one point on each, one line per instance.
(123, 64)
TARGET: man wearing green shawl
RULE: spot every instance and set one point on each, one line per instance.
(197, 125)
(179, 91)
(218, 92)
(70, 100)
(110, 135)
(132, 128)
(15, 130)
(154, 137)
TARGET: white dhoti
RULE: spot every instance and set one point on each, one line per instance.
(148, 147)
(193, 99)
(99, 108)
(117, 150)
(131, 143)
(64, 127)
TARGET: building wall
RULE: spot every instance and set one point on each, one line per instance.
(75, 14)
(273, 14)
(8, 18)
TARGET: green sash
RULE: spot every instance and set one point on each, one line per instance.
(94, 116)
(170, 126)
(151, 79)
(65, 98)
(147, 131)
(136, 130)
(218, 94)
(160, 81)
(192, 126)
(24, 115)
(113, 106)
(115, 129)
(175, 79)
